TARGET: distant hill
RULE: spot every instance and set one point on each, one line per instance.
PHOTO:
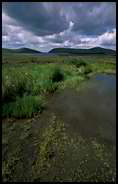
(95, 50)
(21, 50)
(62, 51)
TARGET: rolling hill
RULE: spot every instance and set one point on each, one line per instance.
(95, 50)
(21, 50)
(62, 51)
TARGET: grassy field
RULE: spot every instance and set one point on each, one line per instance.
(15, 58)
(50, 153)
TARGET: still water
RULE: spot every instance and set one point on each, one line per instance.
(91, 112)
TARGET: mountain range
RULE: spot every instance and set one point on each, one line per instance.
(62, 51)
(95, 50)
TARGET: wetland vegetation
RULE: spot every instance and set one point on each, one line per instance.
(50, 127)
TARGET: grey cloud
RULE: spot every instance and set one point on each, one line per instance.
(4, 31)
(94, 18)
(36, 17)
(57, 39)
(46, 25)
(48, 18)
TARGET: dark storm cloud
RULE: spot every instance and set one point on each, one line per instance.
(39, 18)
(64, 24)
(94, 18)
(48, 18)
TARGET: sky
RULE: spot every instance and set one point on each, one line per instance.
(47, 25)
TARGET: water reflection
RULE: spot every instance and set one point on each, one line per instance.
(92, 111)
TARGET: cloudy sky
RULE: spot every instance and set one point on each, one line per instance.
(46, 25)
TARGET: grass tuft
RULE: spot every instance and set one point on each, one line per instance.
(57, 75)
(24, 107)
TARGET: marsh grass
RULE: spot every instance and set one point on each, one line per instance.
(15, 82)
(58, 156)
(39, 80)
(57, 75)
(23, 87)
(23, 107)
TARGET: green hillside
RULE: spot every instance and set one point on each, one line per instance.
(95, 50)
(21, 50)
